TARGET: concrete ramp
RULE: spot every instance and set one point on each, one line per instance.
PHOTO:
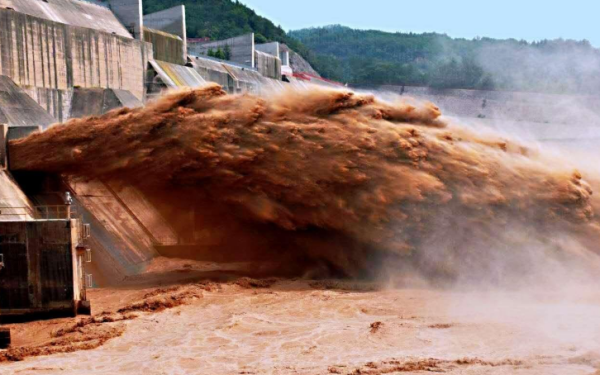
(125, 229)
(19, 109)
(177, 76)
(121, 245)
(147, 216)
(98, 101)
(14, 204)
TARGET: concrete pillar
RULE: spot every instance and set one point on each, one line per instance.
(3, 146)
(171, 21)
(242, 48)
(129, 12)
(270, 48)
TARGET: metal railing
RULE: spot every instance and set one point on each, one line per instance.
(55, 212)
(42, 212)
(17, 211)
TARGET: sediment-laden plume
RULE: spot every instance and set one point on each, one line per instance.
(334, 176)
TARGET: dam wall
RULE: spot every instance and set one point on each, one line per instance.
(171, 22)
(269, 48)
(96, 101)
(167, 47)
(70, 12)
(241, 49)
(48, 59)
(129, 12)
(18, 109)
(268, 66)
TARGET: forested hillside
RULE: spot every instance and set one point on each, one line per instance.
(367, 57)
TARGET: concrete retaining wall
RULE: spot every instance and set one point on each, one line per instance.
(54, 101)
(39, 53)
(284, 56)
(95, 102)
(17, 109)
(129, 12)
(270, 48)
(70, 12)
(170, 21)
(167, 47)
(242, 48)
(268, 65)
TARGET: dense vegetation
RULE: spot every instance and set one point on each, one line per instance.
(367, 57)
(221, 19)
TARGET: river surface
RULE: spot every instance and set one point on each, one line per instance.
(294, 328)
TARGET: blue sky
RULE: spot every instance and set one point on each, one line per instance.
(520, 19)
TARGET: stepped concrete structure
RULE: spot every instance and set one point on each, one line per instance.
(54, 49)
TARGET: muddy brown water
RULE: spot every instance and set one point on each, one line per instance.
(301, 327)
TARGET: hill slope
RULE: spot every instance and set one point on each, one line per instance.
(368, 57)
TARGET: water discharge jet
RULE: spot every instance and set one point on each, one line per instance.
(335, 177)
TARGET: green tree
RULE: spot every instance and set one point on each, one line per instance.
(260, 39)
(220, 54)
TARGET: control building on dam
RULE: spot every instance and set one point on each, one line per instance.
(63, 59)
